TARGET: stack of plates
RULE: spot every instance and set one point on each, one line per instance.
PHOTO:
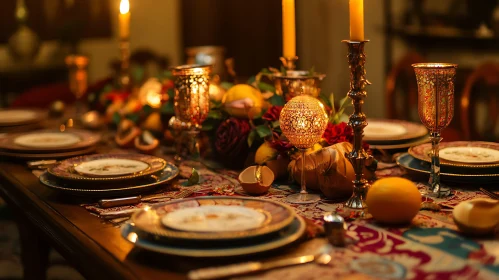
(460, 162)
(20, 119)
(46, 144)
(109, 175)
(394, 134)
(214, 227)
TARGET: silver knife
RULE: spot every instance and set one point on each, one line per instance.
(244, 268)
(114, 202)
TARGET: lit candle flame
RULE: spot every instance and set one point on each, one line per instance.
(124, 7)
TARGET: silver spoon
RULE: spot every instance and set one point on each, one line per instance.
(322, 258)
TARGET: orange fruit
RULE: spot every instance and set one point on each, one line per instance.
(393, 200)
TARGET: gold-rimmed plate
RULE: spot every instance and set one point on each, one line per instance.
(48, 141)
(140, 186)
(285, 236)
(16, 117)
(50, 155)
(67, 169)
(465, 154)
(276, 216)
(387, 131)
(110, 167)
(415, 165)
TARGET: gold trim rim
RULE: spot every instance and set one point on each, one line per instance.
(250, 249)
(447, 163)
(444, 174)
(434, 65)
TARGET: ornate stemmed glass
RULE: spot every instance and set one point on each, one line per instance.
(303, 121)
(192, 100)
(436, 109)
(78, 80)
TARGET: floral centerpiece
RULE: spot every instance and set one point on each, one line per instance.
(242, 127)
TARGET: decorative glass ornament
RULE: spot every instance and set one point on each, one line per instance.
(303, 120)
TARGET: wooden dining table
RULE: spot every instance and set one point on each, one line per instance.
(96, 249)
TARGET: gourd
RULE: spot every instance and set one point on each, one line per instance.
(328, 170)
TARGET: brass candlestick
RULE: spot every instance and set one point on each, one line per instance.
(289, 63)
(357, 120)
(124, 76)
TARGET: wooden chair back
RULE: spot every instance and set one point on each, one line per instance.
(481, 91)
(402, 79)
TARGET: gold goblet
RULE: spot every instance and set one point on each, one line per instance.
(296, 83)
(192, 100)
(303, 120)
(436, 110)
(78, 80)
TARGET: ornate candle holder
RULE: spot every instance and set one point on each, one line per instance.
(289, 63)
(358, 156)
(191, 102)
(78, 80)
(296, 83)
(124, 77)
(303, 121)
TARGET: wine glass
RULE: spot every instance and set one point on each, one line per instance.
(192, 100)
(303, 121)
(436, 110)
(78, 81)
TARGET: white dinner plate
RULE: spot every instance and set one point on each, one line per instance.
(383, 130)
(17, 116)
(111, 167)
(470, 154)
(47, 140)
(215, 218)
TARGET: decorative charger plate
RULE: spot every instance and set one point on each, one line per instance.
(110, 167)
(46, 141)
(468, 154)
(13, 117)
(143, 185)
(285, 236)
(404, 145)
(390, 131)
(413, 164)
(276, 217)
(50, 155)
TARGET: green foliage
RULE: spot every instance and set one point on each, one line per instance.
(215, 114)
(339, 116)
(171, 94)
(133, 117)
(263, 131)
(147, 109)
(277, 100)
(226, 85)
(167, 109)
(251, 137)
(116, 118)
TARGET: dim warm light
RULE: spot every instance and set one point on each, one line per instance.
(124, 7)
(153, 99)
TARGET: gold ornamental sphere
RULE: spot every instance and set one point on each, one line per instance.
(303, 121)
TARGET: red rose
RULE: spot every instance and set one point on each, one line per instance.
(231, 140)
(272, 113)
(338, 133)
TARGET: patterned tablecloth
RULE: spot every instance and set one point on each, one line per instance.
(430, 248)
